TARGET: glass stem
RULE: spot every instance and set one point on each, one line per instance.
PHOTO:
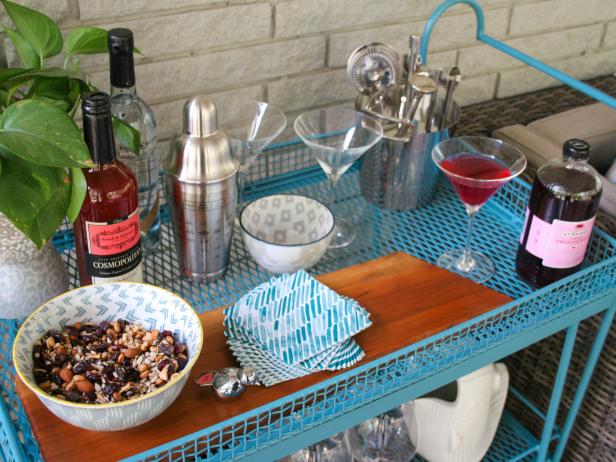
(467, 261)
(332, 180)
(241, 182)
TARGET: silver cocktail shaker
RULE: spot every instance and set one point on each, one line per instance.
(201, 192)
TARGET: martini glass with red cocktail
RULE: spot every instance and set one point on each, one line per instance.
(476, 166)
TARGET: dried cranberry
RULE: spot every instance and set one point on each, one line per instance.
(92, 377)
(114, 355)
(72, 332)
(127, 362)
(73, 396)
(55, 378)
(40, 375)
(121, 374)
(60, 360)
(167, 333)
(80, 367)
(88, 328)
(132, 375)
(105, 325)
(179, 347)
(99, 347)
(165, 348)
(163, 363)
(107, 373)
(89, 338)
(90, 397)
(182, 361)
(110, 388)
(122, 323)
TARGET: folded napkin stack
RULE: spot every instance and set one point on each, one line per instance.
(292, 326)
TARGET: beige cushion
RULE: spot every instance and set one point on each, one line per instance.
(595, 123)
(542, 140)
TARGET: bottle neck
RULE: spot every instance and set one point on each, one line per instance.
(98, 135)
(124, 91)
(121, 69)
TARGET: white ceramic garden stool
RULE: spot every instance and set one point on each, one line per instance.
(458, 422)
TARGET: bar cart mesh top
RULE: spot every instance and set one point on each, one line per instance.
(424, 233)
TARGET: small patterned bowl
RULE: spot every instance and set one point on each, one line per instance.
(287, 232)
(153, 307)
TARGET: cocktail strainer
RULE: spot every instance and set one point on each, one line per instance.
(373, 66)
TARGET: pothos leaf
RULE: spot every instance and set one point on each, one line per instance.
(86, 40)
(40, 31)
(43, 134)
(79, 188)
(127, 135)
(28, 56)
(34, 197)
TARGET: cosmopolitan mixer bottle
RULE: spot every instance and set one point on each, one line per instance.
(559, 218)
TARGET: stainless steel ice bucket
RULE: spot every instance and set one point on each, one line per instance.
(398, 172)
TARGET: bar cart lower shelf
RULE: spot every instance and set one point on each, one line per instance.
(416, 367)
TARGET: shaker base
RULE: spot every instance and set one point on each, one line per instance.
(205, 278)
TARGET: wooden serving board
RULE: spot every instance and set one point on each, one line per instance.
(408, 299)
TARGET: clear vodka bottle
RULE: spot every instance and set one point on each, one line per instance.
(126, 105)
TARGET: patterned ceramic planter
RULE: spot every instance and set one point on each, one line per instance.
(28, 276)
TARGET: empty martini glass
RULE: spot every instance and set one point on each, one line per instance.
(476, 166)
(251, 136)
(338, 137)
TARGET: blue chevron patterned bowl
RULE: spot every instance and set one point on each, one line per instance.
(153, 307)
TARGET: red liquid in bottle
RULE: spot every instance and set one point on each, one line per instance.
(112, 196)
(466, 167)
(560, 216)
(107, 236)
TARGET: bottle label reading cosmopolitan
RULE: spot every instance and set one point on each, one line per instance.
(114, 250)
(561, 244)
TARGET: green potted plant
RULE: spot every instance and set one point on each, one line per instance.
(42, 153)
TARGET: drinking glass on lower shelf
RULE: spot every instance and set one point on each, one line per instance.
(384, 438)
(333, 449)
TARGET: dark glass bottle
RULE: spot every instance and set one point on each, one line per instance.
(560, 217)
(107, 236)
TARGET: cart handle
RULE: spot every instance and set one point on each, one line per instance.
(481, 36)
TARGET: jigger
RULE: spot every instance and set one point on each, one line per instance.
(421, 84)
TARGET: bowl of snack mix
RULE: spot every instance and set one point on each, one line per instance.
(111, 356)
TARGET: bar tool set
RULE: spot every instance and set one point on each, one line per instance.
(407, 99)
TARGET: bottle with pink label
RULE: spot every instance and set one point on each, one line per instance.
(560, 216)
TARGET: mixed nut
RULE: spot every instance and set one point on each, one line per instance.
(106, 362)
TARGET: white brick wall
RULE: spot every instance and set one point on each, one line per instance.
(293, 52)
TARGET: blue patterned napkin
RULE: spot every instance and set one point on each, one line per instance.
(292, 326)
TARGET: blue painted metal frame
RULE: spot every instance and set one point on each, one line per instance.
(526, 59)
(308, 416)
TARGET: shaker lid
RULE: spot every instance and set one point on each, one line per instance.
(202, 154)
(576, 149)
(200, 117)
